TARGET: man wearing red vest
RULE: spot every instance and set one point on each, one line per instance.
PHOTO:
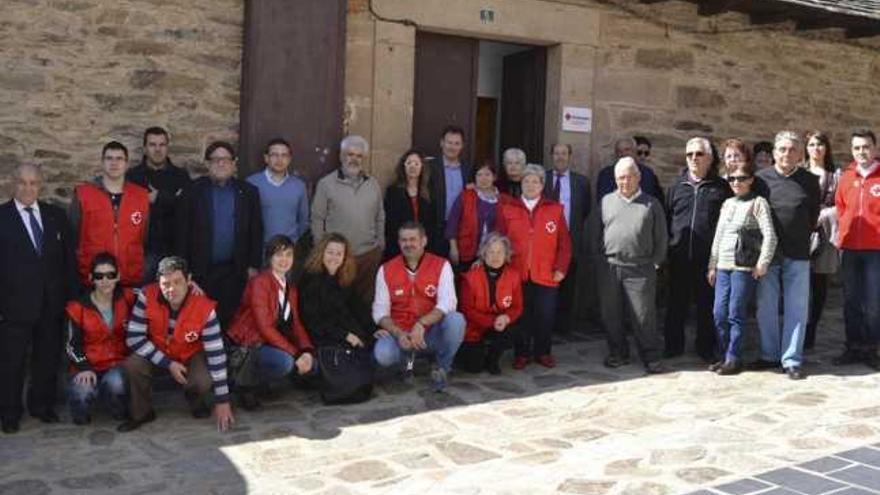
(415, 306)
(111, 215)
(858, 210)
(176, 329)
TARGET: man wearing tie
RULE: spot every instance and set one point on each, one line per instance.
(36, 260)
(573, 191)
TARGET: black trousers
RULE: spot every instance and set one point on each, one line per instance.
(224, 285)
(818, 295)
(565, 313)
(43, 337)
(537, 321)
(689, 286)
(471, 356)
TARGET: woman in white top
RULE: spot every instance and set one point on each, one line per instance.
(734, 284)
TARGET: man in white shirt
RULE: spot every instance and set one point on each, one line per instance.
(415, 306)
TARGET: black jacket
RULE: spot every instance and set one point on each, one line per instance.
(171, 182)
(438, 186)
(330, 311)
(194, 228)
(794, 203)
(398, 210)
(580, 204)
(692, 211)
(35, 284)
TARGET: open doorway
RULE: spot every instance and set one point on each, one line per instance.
(495, 91)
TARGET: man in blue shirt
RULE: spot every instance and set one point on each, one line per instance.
(283, 197)
(449, 176)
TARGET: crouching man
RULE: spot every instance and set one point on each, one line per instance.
(176, 329)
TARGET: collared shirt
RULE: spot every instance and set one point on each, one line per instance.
(564, 191)
(530, 203)
(26, 218)
(454, 183)
(447, 301)
(272, 180)
(630, 199)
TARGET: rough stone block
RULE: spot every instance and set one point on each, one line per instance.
(663, 58)
(141, 47)
(696, 97)
(633, 89)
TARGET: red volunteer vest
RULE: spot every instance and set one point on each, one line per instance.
(412, 297)
(121, 235)
(508, 298)
(104, 347)
(468, 227)
(186, 340)
(535, 238)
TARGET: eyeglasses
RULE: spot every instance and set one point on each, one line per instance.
(738, 178)
(104, 275)
(643, 153)
(695, 154)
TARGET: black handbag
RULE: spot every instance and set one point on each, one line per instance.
(347, 374)
(748, 245)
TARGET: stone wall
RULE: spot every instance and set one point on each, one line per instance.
(75, 74)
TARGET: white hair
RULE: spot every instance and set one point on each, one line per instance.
(792, 136)
(534, 169)
(354, 141)
(515, 155)
(707, 146)
(492, 238)
(624, 164)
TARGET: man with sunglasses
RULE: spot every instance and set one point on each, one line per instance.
(692, 206)
(794, 197)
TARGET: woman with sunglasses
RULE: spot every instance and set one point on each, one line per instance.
(825, 258)
(96, 342)
(734, 284)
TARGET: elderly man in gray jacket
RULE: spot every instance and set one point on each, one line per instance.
(349, 202)
(629, 239)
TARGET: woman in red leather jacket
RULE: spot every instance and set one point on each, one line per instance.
(268, 325)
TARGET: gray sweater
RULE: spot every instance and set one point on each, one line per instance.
(630, 232)
(351, 208)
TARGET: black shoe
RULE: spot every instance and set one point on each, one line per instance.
(707, 357)
(763, 364)
(82, 420)
(872, 360)
(249, 401)
(492, 365)
(714, 367)
(9, 425)
(655, 368)
(201, 412)
(849, 356)
(47, 416)
(615, 362)
(795, 373)
(134, 424)
(729, 368)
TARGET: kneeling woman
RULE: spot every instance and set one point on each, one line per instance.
(96, 342)
(267, 326)
(492, 302)
(339, 322)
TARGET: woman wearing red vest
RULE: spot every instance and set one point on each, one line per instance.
(96, 342)
(267, 325)
(491, 300)
(472, 216)
(541, 253)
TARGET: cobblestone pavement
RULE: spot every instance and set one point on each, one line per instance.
(578, 429)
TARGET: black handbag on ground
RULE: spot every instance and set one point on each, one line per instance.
(347, 374)
(748, 245)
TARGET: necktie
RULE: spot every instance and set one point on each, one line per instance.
(36, 230)
(556, 187)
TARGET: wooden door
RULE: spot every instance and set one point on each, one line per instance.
(292, 82)
(522, 103)
(484, 133)
(445, 90)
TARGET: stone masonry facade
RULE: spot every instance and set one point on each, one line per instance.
(77, 73)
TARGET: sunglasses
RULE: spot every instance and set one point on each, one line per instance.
(643, 153)
(104, 275)
(738, 178)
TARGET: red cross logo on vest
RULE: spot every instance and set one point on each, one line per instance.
(507, 301)
(191, 336)
(875, 190)
(137, 217)
(431, 290)
(550, 227)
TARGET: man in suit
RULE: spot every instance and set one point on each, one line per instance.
(449, 176)
(36, 260)
(221, 230)
(573, 191)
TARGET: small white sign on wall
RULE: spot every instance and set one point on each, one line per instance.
(577, 119)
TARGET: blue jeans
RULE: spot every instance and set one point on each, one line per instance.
(443, 340)
(733, 290)
(784, 344)
(860, 271)
(111, 384)
(275, 363)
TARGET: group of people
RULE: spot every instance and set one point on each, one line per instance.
(151, 272)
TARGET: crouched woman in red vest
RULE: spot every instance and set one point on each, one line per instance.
(491, 300)
(174, 327)
(267, 328)
(96, 342)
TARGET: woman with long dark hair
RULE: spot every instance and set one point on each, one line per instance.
(409, 199)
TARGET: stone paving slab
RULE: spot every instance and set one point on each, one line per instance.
(579, 429)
